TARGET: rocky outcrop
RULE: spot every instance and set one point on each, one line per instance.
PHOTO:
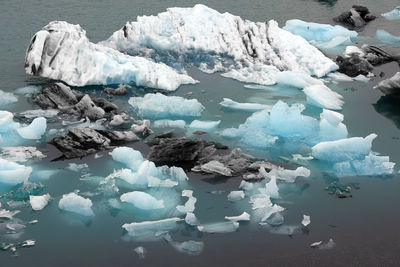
(356, 17)
(390, 86)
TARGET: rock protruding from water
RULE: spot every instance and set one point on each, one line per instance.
(61, 97)
(80, 142)
(390, 86)
(356, 17)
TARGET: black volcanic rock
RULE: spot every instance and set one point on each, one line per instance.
(356, 17)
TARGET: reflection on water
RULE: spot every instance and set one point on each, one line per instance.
(389, 106)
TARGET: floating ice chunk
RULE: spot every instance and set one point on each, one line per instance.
(156, 182)
(236, 195)
(296, 79)
(251, 107)
(35, 130)
(263, 206)
(6, 214)
(393, 14)
(351, 49)
(191, 219)
(39, 202)
(322, 96)
(247, 186)
(77, 167)
(47, 113)
(159, 106)
(208, 126)
(142, 200)
(242, 217)
(21, 153)
(12, 173)
(288, 176)
(316, 244)
(189, 247)
(275, 219)
(370, 165)
(387, 37)
(329, 245)
(258, 73)
(190, 204)
(220, 227)
(306, 220)
(62, 51)
(141, 251)
(31, 90)
(354, 148)
(271, 189)
(340, 77)
(298, 157)
(117, 120)
(285, 230)
(169, 124)
(214, 166)
(128, 156)
(319, 33)
(331, 126)
(7, 98)
(147, 230)
(74, 203)
(361, 78)
(124, 174)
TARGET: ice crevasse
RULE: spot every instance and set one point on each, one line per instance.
(244, 50)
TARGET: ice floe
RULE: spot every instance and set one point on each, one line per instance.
(322, 96)
(76, 204)
(61, 51)
(219, 227)
(39, 202)
(169, 124)
(148, 230)
(208, 126)
(306, 220)
(236, 195)
(159, 106)
(251, 107)
(142, 200)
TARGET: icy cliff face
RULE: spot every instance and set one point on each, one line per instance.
(61, 51)
(244, 50)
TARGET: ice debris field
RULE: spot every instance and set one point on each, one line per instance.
(157, 195)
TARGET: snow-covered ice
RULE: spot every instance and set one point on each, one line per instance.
(159, 106)
(39, 202)
(76, 204)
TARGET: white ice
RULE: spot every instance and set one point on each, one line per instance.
(128, 156)
(35, 130)
(21, 153)
(369, 166)
(208, 126)
(219, 227)
(61, 51)
(263, 207)
(76, 204)
(7, 98)
(159, 106)
(190, 203)
(236, 195)
(39, 202)
(242, 217)
(306, 220)
(322, 96)
(296, 79)
(251, 107)
(148, 230)
(142, 200)
(191, 219)
(169, 124)
(12, 173)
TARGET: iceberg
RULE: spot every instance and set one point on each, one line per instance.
(21, 153)
(263, 207)
(61, 51)
(369, 166)
(128, 156)
(12, 173)
(39, 202)
(220, 227)
(236, 195)
(245, 50)
(190, 203)
(159, 106)
(208, 126)
(191, 219)
(393, 14)
(148, 230)
(321, 96)
(142, 200)
(322, 35)
(35, 130)
(242, 217)
(296, 79)
(331, 126)
(169, 124)
(7, 98)
(271, 188)
(76, 204)
(306, 220)
(390, 86)
(387, 37)
(251, 107)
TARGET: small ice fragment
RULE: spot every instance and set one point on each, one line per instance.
(77, 167)
(216, 167)
(316, 244)
(275, 219)
(207, 126)
(191, 219)
(242, 217)
(251, 107)
(28, 243)
(306, 220)
(6, 214)
(128, 156)
(190, 204)
(329, 245)
(169, 124)
(271, 188)
(142, 200)
(7, 98)
(97, 156)
(35, 130)
(117, 120)
(74, 203)
(189, 247)
(299, 157)
(39, 202)
(220, 227)
(141, 251)
(236, 195)
(147, 230)
(33, 221)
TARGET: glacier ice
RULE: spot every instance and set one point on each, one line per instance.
(251, 107)
(28, 90)
(61, 51)
(236, 195)
(128, 156)
(271, 188)
(148, 230)
(207, 126)
(263, 207)
(306, 220)
(142, 200)
(12, 173)
(249, 51)
(191, 219)
(76, 204)
(159, 106)
(386, 37)
(331, 126)
(296, 79)
(7, 98)
(35, 130)
(322, 96)
(214, 166)
(169, 124)
(322, 35)
(370, 165)
(77, 167)
(21, 153)
(47, 113)
(242, 217)
(190, 203)
(219, 227)
(353, 148)
(393, 14)
(39, 202)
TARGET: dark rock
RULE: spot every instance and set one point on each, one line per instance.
(58, 96)
(356, 17)
(390, 86)
(354, 65)
(80, 142)
(120, 90)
